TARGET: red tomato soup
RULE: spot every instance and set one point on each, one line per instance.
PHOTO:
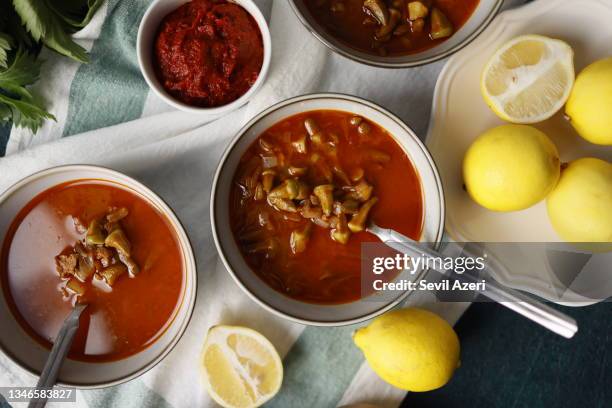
(303, 193)
(208, 53)
(391, 27)
(93, 242)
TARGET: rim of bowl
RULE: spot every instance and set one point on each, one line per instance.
(159, 90)
(350, 53)
(297, 99)
(189, 257)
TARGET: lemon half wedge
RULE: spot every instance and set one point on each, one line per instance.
(528, 79)
(240, 367)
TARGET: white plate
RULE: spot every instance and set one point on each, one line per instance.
(459, 115)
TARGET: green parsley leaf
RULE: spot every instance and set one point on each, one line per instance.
(5, 114)
(25, 112)
(6, 43)
(76, 13)
(17, 104)
(10, 23)
(46, 26)
(26, 25)
(24, 70)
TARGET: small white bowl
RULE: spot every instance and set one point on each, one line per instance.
(256, 288)
(147, 32)
(27, 352)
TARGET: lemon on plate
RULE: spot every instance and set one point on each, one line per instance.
(589, 107)
(412, 349)
(580, 207)
(528, 79)
(511, 167)
(240, 367)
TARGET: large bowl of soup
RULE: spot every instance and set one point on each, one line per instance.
(294, 192)
(89, 235)
(396, 33)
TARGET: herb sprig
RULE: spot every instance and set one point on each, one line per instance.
(26, 26)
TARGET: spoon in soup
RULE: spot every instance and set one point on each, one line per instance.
(58, 353)
(519, 302)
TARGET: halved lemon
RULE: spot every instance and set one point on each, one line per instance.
(528, 79)
(241, 368)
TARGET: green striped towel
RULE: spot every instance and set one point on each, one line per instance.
(113, 120)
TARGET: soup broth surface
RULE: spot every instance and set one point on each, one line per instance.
(326, 271)
(119, 321)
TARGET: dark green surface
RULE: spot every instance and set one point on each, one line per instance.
(5, 132)
(507, 361)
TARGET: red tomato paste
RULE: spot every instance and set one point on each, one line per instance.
(208, 52)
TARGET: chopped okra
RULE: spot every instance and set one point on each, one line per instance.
(309, 211)
(356, 120)
(282, 204)
(416, 10)
(384, 32)
(112, 273)
(267, 179)
(341, 233)
(311, 127)
(103, 253)
(287, 189)
(76, 286)
(378, 10)
(95, 233)
(300, 144)
(441, 27)
(297, 171)
(132, 267)
(117, 214)
(326, 197)
(118, 240)
(358, 221)
(260, 194)
(362, 191)
(299, 239)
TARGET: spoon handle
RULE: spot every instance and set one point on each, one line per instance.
(521, 303)
(58, 353)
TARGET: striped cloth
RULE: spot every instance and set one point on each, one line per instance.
(106, 115)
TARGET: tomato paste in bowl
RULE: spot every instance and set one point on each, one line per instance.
(208, 52)
(204, 56)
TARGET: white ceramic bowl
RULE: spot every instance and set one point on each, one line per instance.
(308, 313)
(144, 46)
(478, 21)
(27, 352)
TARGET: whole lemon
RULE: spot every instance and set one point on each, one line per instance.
(580, 207)
(412, 349)
(511, 167)
(589, 106)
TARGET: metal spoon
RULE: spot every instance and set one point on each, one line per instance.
(58, 353)
(521, 303)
